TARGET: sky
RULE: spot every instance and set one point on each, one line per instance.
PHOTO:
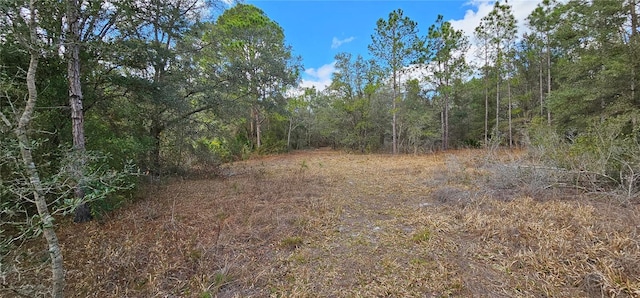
(317, 30)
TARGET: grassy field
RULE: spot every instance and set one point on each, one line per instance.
(329, 224)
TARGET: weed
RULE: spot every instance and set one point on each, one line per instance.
(219, 279)
(235, 187)
(194, 255)
(421, 236)
(291, 242)
(417, 262)
(298, 258)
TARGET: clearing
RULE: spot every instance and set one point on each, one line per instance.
(330, 224)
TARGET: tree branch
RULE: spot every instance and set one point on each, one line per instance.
(188, 114)
(5, 120)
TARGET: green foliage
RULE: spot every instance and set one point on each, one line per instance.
(120, 147)
(106, 188)
(395, 41)
(352, 116)
(195, 93)
(255, 61)
(17, 217)
(216, 147)
(292, 242)
(272, 146)
(419, 118)
(546, 144)
(445, 51)
(421, 236)
(606, 155)
(239, 147)
(395, 44)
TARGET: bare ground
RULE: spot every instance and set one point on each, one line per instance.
(329, 224)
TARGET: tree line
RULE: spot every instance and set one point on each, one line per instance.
(97, 93)
(568, 82)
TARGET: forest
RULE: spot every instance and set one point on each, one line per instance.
(102, 100)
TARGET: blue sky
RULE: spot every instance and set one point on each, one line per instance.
(319, 29)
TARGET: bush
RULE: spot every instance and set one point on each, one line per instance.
(604, 157)
(211, 152)
(105, 188)
(272, 146)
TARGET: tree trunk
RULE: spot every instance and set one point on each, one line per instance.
(258, 129)
(632, 45)
(634, 18)
(497, 101)
(633, 83)
(445, 132)
(156, 135)
(486, 98)
(48, 231)
(510, 117)
(442, 128)
(394, 120)
(541, 90)
(445, 113)
(308, 136)
(393, 127)
(82, 212)
(251, 126)
(446, 126)
(394, 136)
(289, 134)
(548, 77)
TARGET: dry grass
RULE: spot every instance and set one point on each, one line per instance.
(328, 224)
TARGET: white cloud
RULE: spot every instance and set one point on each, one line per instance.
(479, 9)
(319, 78)
(336, 43)
(472, 17)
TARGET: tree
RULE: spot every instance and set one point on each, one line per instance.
(256, 60)
(527, 77)
(353, 85)
(500, 27)
(297, 108)
(468, 112)
(418, 117)
(72, 47)
(594, 78)
(445, 48)
(156, 67)
(485, 53)
(26, 28)
(394, 44)
(634, 47)
(543, 20)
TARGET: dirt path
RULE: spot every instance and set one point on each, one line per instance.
(330, 224)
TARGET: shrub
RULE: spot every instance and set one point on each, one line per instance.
(604, 157)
